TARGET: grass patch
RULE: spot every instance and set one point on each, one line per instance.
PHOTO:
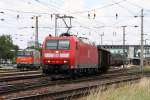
(137, 91)
(146, 69)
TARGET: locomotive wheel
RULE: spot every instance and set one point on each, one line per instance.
(72, 73)
(104, 69)
(45, 72)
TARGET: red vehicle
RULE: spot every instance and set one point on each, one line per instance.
(28, 59)
(68, 53)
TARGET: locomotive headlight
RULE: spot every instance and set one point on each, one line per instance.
(65, 61)
(48, 61)
(66, 55)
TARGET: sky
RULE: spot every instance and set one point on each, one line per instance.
(16, 19)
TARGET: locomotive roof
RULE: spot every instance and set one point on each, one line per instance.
(60, 37)
(99, 48)
(81, 39)
(26, 49)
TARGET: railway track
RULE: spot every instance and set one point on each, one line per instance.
(18, 73)
(64, 91)
(6, 70)
(13, 76)
(61, 92)
(10, 89)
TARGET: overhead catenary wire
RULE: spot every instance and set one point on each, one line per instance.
(138, 6)
(121, 6)
(31, 12)
(99, 8)
(17, 11)
(104, 16)
(46, 5)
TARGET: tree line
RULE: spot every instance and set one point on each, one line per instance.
(7, 49)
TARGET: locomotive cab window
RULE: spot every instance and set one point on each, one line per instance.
(24, 53)
(63, 44)
(58, 44)
(51, 44)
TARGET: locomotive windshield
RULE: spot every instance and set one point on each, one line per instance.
(24, 53)
(51, 44)
(58, 44)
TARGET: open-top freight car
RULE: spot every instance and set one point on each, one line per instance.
(116, 60)
(104, 57)
(70, 54)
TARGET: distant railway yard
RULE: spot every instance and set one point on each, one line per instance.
(32, 85)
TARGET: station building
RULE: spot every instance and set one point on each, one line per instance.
(132, 52)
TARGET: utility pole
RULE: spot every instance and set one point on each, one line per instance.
(146, 41)
(56, 15)
(101, 36)
(124, 45)
(36, 32)
(145, 47)
(142, 50)
(68, 26)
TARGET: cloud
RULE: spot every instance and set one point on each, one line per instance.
(73, 5)
(105, 20)
(140, 3)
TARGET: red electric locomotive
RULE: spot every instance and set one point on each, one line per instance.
(69, 53)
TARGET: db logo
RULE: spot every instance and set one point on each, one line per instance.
(56, 55)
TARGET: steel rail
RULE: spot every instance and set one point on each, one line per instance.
(47, 82)
(82, 89)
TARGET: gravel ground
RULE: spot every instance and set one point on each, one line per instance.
(22, 81)
(53, 88)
